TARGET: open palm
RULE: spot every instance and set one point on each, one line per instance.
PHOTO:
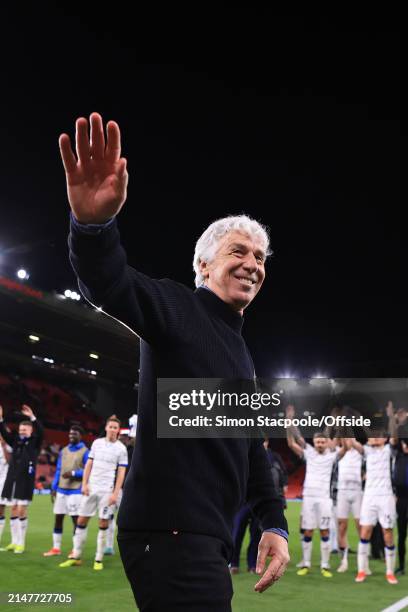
(26, 410)
(96, 177)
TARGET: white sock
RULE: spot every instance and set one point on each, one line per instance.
(2, 523)
(57, 539)
(110, 534)
(324, 552)
(390, 558)
(344, 554)
(23, 529)
(100, 544)
(362, 556)
(307, 551)
(79, 540)
(15, 530)
(368, 557)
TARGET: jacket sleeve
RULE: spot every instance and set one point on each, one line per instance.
(263, 498)
(152, 308)
(39, 433)
(7, 435)
(55, 481)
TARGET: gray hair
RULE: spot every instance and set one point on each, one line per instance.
(206, 245)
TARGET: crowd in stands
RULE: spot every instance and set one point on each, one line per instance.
(57, 407)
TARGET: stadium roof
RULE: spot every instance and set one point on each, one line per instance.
(67, 333)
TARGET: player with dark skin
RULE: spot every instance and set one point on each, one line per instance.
(74, 437)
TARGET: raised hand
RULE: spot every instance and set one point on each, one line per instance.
(96, 177)
(26, 410)
(389, 409)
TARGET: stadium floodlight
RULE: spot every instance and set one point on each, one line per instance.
(94, 355)
(287, 383)
(94, 372)
(319, 380)
(34, 338)
(68, 293)
(22, 274)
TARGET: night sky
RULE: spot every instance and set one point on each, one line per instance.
(295, 122)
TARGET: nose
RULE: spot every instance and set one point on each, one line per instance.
(250, 263)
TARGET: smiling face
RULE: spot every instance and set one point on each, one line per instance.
(237, 271)
(74, 436)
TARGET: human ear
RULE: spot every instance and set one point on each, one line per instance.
(204, 269)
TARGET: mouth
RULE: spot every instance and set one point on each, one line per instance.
(249, 282)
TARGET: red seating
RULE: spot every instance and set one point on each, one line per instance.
(45, 470)
(295, 483)
(57, 406)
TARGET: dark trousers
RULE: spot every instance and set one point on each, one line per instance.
(176, 572)
(402, 521)
(244, 517)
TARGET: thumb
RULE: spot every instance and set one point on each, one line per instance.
(260, 561)
(122, 168)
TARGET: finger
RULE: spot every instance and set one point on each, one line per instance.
(112, 152)
(273, 573)
(260, 561)
(122, 167)
(67, 155)
(270, 573)
(263, 586)
(280, 572)
(122, 173)
(97, 137)
(83, 147)
(123, 178)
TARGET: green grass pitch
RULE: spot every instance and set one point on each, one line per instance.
(108, 590)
